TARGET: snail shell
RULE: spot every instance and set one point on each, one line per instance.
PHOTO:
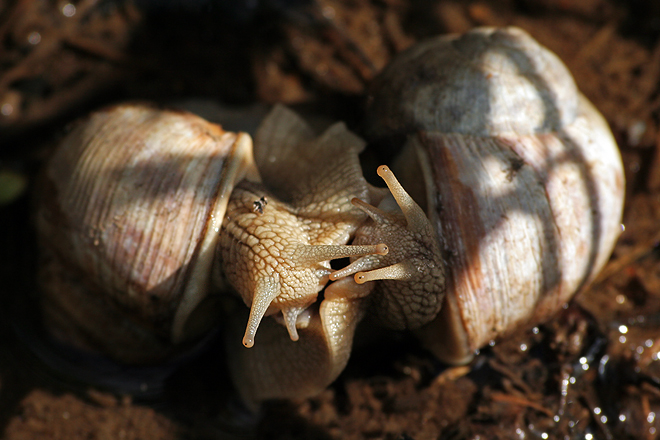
(108, 219)
(522, 178)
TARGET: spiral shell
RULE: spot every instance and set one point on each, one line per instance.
(521, 176)
(107, 222)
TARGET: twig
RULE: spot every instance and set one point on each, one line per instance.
(639, 251)
(517, 400)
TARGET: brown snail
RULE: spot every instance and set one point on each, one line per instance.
(140, 206)
(521, 175)
(119, 271)
(156, 209)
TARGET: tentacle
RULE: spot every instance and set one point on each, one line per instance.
(313, 254)
(401, 271)
(266, 291)
(290, 315)
(376, 214)
(361, 264)
(415, 216)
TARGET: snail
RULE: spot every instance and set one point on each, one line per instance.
(148, 216)
(119, 272)
(522, 178)
(145, 214)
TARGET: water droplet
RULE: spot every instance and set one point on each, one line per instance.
(69, 10)
(635, 132)
(34, 38)
(523, 347)
(622, 339)
(597, 410)
(620, 299)
(623, 329)
(328, 12)
(648, 343)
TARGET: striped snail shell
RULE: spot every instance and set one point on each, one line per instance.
(521, 177)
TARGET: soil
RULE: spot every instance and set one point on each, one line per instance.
(592, 371)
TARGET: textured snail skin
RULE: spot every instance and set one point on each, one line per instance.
(522, 178)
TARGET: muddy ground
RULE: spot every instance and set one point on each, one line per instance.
(590, 372)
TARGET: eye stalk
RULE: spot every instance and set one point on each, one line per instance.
(412, 273)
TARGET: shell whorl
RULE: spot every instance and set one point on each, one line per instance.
(485, 82)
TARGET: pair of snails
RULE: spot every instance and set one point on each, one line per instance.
(146, 216)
